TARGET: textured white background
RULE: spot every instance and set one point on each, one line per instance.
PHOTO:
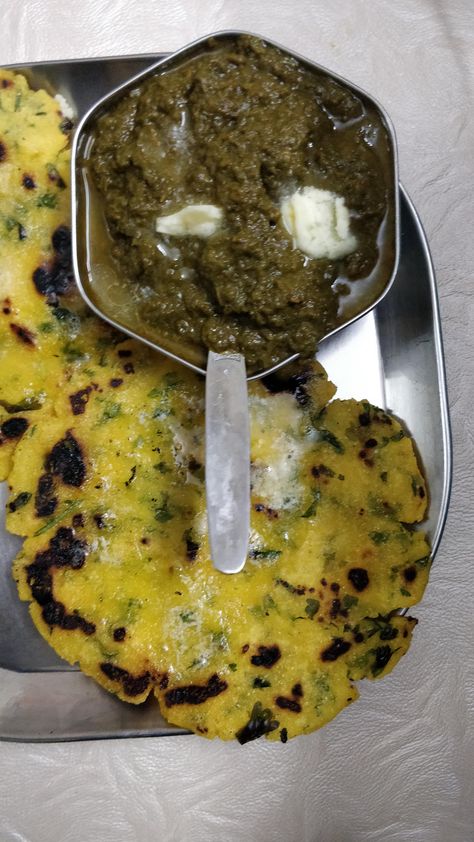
(400, 764)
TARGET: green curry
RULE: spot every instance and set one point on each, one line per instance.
(239, 126)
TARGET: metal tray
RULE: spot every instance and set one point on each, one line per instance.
(393, 357)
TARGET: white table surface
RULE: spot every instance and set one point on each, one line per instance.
(399, 764)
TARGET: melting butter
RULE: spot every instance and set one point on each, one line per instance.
(318, 220)
(192, 220)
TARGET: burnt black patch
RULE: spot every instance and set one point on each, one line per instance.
(66, 461)
(296, 384)
(364, 419)
(128, 368)
(45, 498)
(100, 522)
(335, 608)
(55, 278)
(322, 471)
(52, 280)
(54, 614)
(120, 634)
(43, 280)
(22, 235)
(124, 353)
(61, 242)
(23, 333)
(73, 621)
(63, 550)
(78, 521)
(3, 152)
(6, 83)
(192, 549)
(115, 382)
(382, 657)
(195, 694)
(259, 683)
(297, 690)
(13, 428)
(267, 656)
(409, 574)
(132, 685)
(299, 590)
(358, 637)
(41, 583)
(261, 722)
(28, 182)
(335, 587)
(272, 514)
(388, 633)
(113, 672)
(288, 704)
(66, 125)
(132, 476)
(371, 443)
(164, 681)
(337, 648)
(79, 400)
(284, 735)
(359, 578)
(135, 685)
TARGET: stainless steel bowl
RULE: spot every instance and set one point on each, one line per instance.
(81, 222)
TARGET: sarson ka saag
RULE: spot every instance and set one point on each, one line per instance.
(248, 201)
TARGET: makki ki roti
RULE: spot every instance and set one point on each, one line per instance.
(118, 565)
(39, 304)
(107, 489)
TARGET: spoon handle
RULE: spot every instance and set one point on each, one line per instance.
(227, 461)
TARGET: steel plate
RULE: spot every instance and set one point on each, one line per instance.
(393, 357)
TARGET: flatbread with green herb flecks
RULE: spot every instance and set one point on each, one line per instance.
(116, 560)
